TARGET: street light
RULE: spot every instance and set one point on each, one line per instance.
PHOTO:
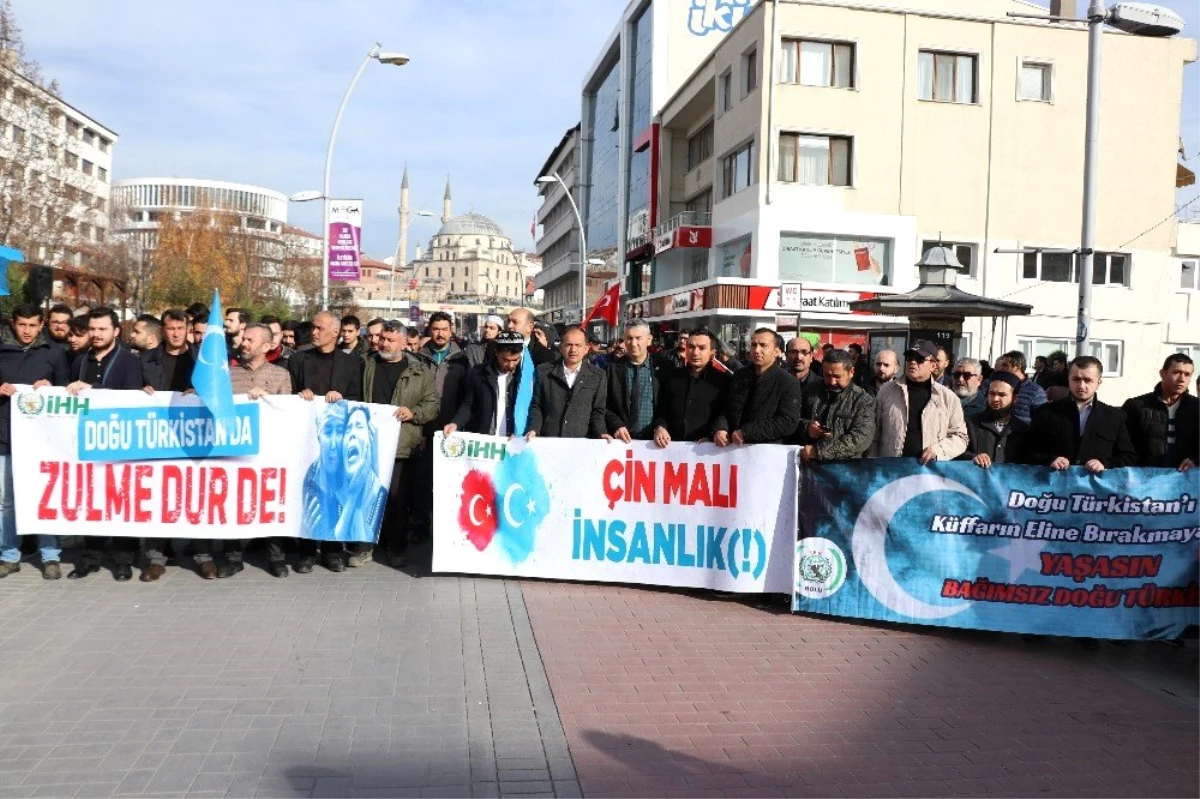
(400, 259)
(383, 57)
(1140, 19)
(554, 177)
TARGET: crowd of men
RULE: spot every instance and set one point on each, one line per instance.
(845, 405)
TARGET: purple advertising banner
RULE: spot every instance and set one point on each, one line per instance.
(345, 239)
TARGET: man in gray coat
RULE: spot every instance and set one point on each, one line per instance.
(838, 419)
(571, 395)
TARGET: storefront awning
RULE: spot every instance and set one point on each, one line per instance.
(1184, 176)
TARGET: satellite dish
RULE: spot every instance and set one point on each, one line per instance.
(1145, 19)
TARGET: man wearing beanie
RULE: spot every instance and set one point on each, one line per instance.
(995, 435)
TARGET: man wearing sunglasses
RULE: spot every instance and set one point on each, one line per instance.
(917, 417)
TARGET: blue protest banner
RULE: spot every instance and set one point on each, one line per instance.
(1012, 548)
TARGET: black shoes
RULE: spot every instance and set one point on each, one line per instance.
(123, 572)
(229, 569)
(84, 569)
(305, 565)
(279, 569)
(335, 563)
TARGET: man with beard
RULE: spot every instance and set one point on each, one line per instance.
(837, 421)
(994, 434)
(886, 366)
(491, 392)
(58, 324)
(236, 320)
(391, 376)
(633, 387)
(255, 377)
(693, 396)
(374, 329)
(764, 401)
(29, 359)
(78, 341)
(278, 353)
(799, 357)
(327, 371)
(1164, 425)
(1030, 396)
(107, 364)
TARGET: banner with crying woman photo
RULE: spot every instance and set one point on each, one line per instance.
(126, 463)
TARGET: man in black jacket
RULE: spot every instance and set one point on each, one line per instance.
(693, 396)
(522, 322)
(488, 403)
(634, 382)
(1164, 425)
(29, 358)
(994, 435)
(764, 400)
(109, 365)
(326, 371)
(571, 395)
(1080, 430)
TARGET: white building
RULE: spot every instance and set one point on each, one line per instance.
(832, 142)
(55, 172)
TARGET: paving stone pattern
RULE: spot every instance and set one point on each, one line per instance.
(368, 683)
(668, 694)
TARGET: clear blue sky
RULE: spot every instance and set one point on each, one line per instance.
(246, 91)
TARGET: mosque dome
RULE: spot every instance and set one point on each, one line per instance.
(471, 224)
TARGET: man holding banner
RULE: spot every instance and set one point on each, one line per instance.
(392, 377)
(326, 371)
(29, 359)
(1080, 430)
(108, 365)
(489, 402)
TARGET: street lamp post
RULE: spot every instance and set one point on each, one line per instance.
(1143, 20)
(395, 59)
(554, 177)
(400, 259)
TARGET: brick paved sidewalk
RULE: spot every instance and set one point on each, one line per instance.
(667, 694)
(368, 683)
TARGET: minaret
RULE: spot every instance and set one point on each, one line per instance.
(446, 202)
(402, 248)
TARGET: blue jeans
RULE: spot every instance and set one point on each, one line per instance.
(10, 542)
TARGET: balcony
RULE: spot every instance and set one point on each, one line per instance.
(689, 229)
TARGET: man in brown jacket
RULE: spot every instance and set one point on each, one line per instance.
(917, 417)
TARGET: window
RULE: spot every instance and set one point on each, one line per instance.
(814, 160)
(103, 174)
(1111, 353)
(104, 144)
(73, 127)
(814, 63)
(1034, 82)
(735, 170)
(1189, 275)
(965, 253)
(725, 90)
(18, 134)
(89, 136)
(701, 203)
(946, 77)
(700, 146)
(88, 167)
(1108, 269)
(808, 257)
(749, 72)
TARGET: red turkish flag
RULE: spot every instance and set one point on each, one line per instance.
(606, 307)
(477, 513)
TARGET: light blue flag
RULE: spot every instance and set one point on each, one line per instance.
(524, 394)
(210, 377)
(7, 255)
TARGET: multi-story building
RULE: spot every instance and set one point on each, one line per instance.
(653, 49)
(55, 172)
(258, 213)
(821, 147)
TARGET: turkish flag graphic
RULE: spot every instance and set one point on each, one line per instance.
(606, 307)
(477, 514)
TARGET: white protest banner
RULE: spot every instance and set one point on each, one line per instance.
(689, 515)
(130, 464)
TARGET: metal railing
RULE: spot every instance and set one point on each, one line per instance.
(688, 218)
